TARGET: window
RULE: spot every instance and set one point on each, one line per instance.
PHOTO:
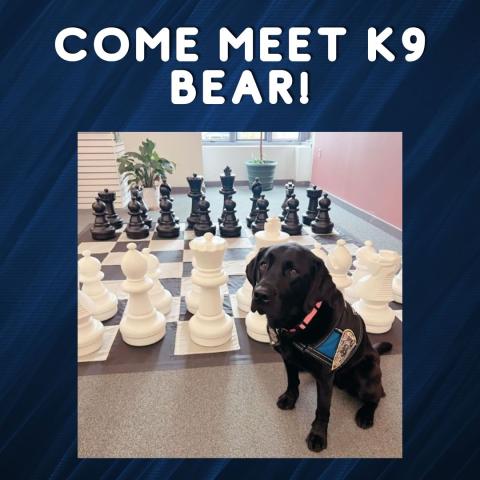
(254, 137)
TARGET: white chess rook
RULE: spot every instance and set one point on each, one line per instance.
(397, 287)
(361, 269)
(160, 297)
(142, 324)
(338, 263)
(375, 291)
(90, 275)
(90, 330)
(192, 298)
(210, 326)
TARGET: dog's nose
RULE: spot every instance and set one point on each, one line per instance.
(261, 295)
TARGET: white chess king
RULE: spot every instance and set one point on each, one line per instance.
(142, 324)
(160, 297)
(90, 330)
(210, 326)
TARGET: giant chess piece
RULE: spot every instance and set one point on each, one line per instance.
(160, 297)
(313, 195)
(101, 229)
(136, 228)
(361, 269)
(320, 253)
(192, 298)
(227, 189)
(338, 263)
(375, 291)
(91, 275)
(167, 226)
(291, 223)
(210, 326)
(166, 191)
(256, 192)
(108, 198)
(138, 192)
(397, 287)
(195, 182)
(229, 226)
(289, 191)
(262, 215)
(256, 323)
(141, 324)
(204, 223)
(322, 224)
(90, 330)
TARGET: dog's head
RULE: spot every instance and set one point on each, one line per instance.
(288, 280)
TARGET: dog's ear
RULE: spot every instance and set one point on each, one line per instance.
(322, 287)
(252, 267)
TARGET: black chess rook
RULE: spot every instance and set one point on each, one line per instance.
(313, 194)
(322, 224)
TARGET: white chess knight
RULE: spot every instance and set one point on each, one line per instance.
(192, 298)
(375, 291)
(90, 330)
(90, 275)
(160, 297)
(361, 269)
(210, 326)
(255, 322)
(141, 324)
(338, 263)
(397, 287)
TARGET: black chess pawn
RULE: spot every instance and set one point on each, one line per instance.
(229, 226)
(291, 223)
(322, 224)
(101, 228)
(195, 182)
(204, 223)
(108, 198)
(136, 227)
(313, 194)
(227, 189)
(256, 192)
(165, 189)
(138, 192)
(167, 226)
(289, 191)
(262, 215)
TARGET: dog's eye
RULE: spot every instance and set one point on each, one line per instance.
(263, 266)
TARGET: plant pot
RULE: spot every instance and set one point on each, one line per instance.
(150, 197)
(264, 171)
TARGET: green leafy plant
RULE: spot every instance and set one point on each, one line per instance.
(145, 166)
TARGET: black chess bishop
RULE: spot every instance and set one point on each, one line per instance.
(195, 193)
(289, 191)
(313, 194)
(291, 223)
(167, 226)
(108, 198)
(204, 223)
(136, 228)
(256, 192)
(227, 190)
(262, 215)
(322, 224)
(101, 228)
(229, 226)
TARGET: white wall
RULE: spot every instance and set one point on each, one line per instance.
(294, 161)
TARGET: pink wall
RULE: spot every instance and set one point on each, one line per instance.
(364, 169)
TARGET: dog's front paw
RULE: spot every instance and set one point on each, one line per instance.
(287, 400)
(364, 417)
(316, 442)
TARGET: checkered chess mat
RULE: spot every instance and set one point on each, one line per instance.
(176, 350)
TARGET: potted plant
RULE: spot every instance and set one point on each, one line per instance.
(261, 168)
(145, 168)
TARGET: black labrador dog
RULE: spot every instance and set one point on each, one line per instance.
(315, 330)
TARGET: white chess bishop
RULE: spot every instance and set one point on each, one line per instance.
(361, 269)
(255, 322)
(160, 297)
(375, 291)
(338, 262)
(91, 275)
(141, 324)
(192, 298)
(90, 330)
(397, 287)
(210, 326)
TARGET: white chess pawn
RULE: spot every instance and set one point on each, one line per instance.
(375, 291)
(142, 324)
(338, 263)
(90, 275)
(361, 269)
(192, 298)
(319, 252)
(90, 330)
(160, 297)
(210, 326)
(397, 287)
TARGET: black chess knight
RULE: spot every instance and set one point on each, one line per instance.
(291, 223)
(289, 191)
(229, 226)
(101, 228)
(167, 226)
(204, 223)
(262, 215)
(313, 194)
(136, 228)
(227, 189)
(138, 193)
(195, 193)
(322, 224)
(108, 198)
(256, 192)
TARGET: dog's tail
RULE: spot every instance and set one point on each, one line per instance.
(383, 347)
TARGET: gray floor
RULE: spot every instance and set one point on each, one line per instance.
(226, 412)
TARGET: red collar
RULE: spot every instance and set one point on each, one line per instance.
(308, 318)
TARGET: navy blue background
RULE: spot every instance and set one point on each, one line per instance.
(45, 101)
